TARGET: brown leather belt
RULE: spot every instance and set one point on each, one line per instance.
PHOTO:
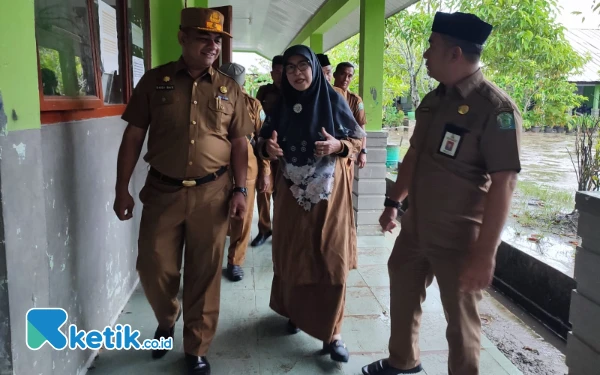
(188, 182)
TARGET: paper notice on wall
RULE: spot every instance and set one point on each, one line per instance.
(138, 70)
(109, 42)
(137, 35)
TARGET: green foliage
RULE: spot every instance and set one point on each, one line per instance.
(528, 56)
(586, 160)
(392, 117)
(540, 207)
(348, 52)
(255, 78)
(405, 43)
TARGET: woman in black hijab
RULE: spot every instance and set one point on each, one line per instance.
(312, 132)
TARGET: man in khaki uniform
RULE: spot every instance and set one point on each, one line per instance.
(268, 96)
(343, 75)
(197, 123)
(239, 234)
(459, 175)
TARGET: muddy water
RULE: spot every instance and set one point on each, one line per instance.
(545, 160)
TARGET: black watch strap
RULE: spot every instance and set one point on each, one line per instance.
(391, 203)
(242, 190)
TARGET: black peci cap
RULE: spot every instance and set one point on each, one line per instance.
(323, 59)
(464, 26)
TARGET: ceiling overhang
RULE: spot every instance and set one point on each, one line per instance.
(268, 27)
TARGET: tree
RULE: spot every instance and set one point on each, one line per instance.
(256, 78)
(528, 55)
(347, 52)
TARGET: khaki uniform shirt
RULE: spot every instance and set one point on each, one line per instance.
(462, 136)
(190, 122)
(356, 105)
(268, 95)
(257, 115)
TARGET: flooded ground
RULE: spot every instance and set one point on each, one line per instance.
(540, 223)
(545, 160)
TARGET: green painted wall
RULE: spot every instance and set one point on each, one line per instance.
(164, 22)
(372, 29)
(164, 25)
(596, 101)
(18, 66)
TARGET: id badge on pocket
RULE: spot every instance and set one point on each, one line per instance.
(452, 138)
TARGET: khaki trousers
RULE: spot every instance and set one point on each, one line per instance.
(197, 218)
(411, 270)
(239, 232)
(263, 203)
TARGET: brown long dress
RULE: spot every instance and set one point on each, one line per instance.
(313, 251)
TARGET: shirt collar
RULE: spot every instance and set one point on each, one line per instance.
(462, 88)
(181, 66)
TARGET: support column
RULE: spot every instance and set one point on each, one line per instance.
(24, 279)
(583, 344)
(370, 185)
(595, 107)
(316, 43)
(372, 34)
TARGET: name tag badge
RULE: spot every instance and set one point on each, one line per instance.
(450, 144)
(165, 87)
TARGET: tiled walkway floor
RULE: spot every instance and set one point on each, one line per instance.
(251, 339)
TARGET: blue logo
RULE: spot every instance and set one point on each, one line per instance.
(44, 326)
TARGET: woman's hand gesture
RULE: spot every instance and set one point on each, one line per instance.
(273, 148)
(329, 146)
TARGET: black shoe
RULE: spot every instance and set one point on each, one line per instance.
(261, 238)
(337, 350)
(159, 353)
(235, 273)
(197, 365)
(382, 367)
(291, 328)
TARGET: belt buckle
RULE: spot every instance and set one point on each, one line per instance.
(189, 183)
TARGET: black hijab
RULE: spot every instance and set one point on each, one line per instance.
(322, 107)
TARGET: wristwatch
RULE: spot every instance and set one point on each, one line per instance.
(391, 203)
(242, 190)
(363, 151)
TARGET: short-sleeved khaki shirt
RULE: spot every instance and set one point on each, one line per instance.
(268, 95)
(190, 122)
(356, 105)
(257, 115)
(462, 135)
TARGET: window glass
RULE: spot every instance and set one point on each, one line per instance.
(137, 25)
(65, 48)
(107, 17)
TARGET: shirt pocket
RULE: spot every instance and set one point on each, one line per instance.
(220, 114)
(163, 107)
